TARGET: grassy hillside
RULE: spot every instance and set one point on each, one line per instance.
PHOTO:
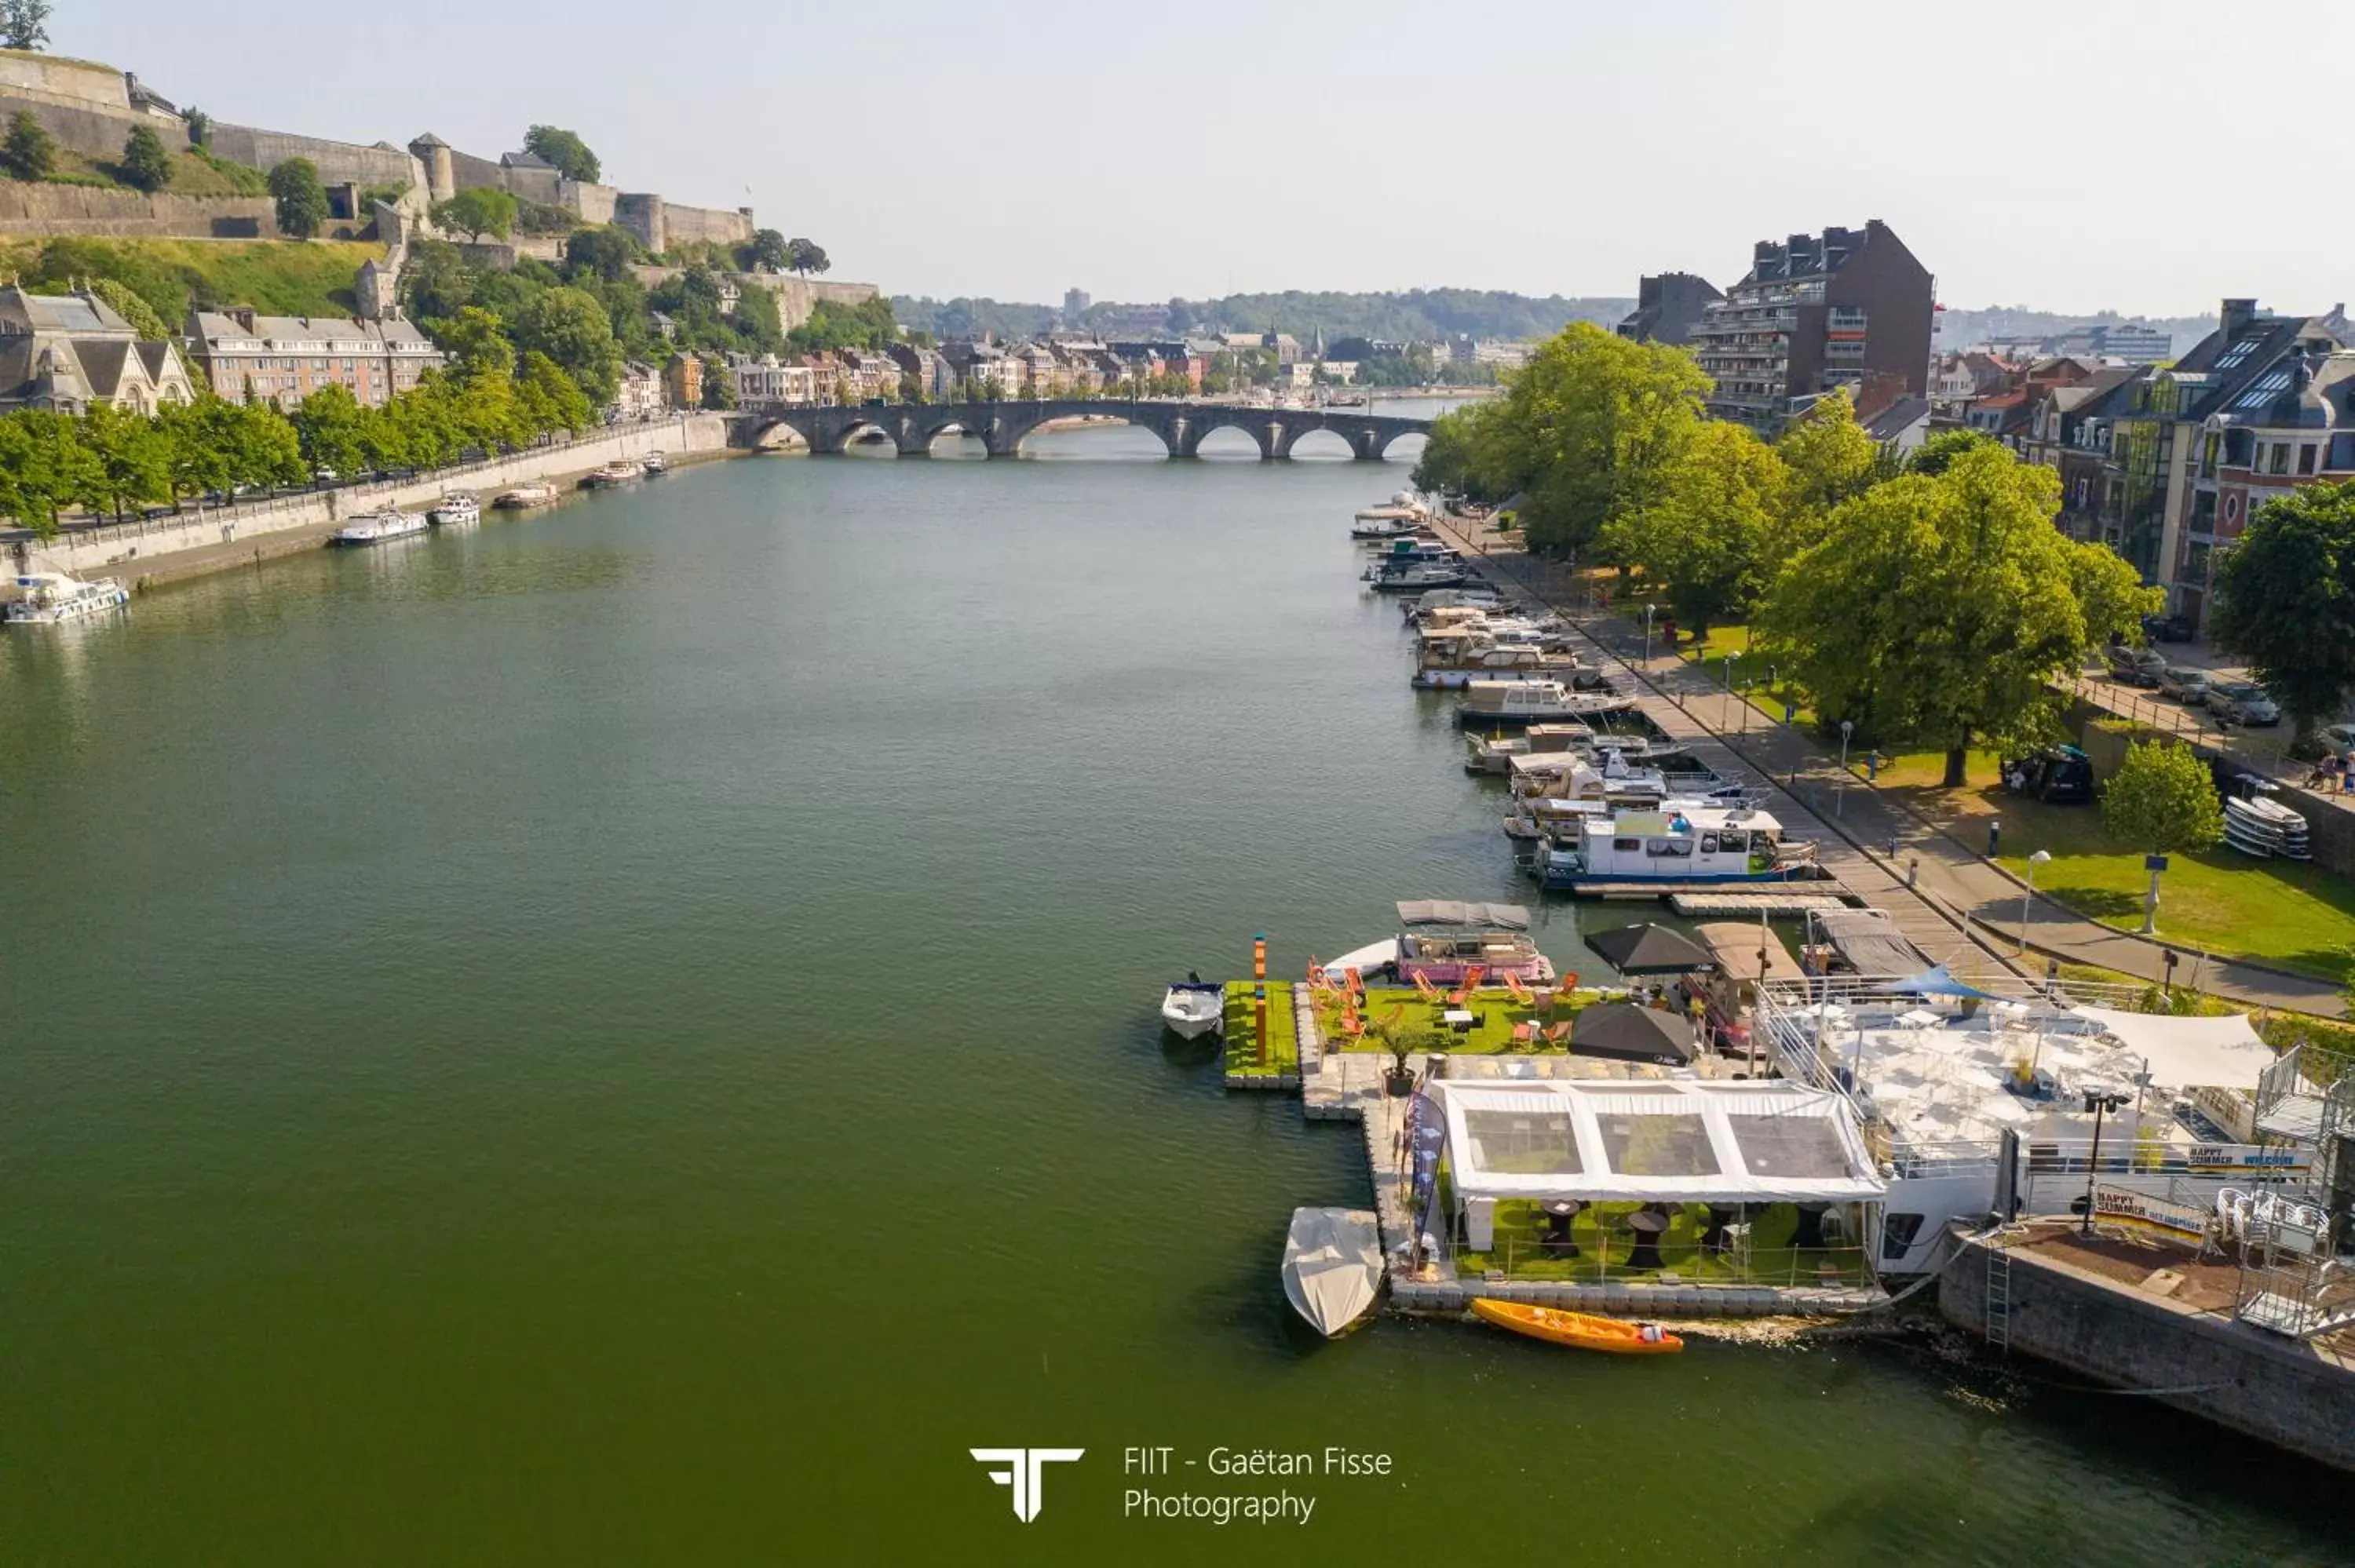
(281, 276)
(193, 175)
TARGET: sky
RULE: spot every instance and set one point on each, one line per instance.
(2067, 155)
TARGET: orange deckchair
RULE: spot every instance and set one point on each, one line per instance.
(1558, 1035)
(1521, 993)
(1462, 995)
(1423, 983)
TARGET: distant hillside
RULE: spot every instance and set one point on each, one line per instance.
(1420, 315)
(1996, 323)
(279, 277)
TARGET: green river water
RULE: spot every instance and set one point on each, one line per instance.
(628, 1037)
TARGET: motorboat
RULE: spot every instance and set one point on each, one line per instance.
(1443, 941)
(1495, 753)
(1684, 839)
(1580, 1330)
(1479, 596)
(1192, 1009)
(379, 527)
(655, 465)
(1499, 704)
(1417, 576)
(1333, 1267)
(524, 496)
(50, 599)
(1585, 788)
(615, 474)
(1386, 523)
(1450, 661)
(456, 510)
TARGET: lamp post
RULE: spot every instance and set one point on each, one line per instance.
(1840, 801)
(2042, 857)
(1729, 678)
(1648, 634)
(2096, 1101)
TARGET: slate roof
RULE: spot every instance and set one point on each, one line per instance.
(1897, 419)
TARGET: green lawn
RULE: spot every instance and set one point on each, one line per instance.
(2295, 915)
(1242, 1031)
(278, 277)
(1602, 1251)
(1752, 674)
(1495, 1011)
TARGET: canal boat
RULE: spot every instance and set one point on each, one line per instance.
(1333, 1267)
(51, 599)
(1442, 940)
(615, 474)
(656, 465)
(1686, 840)
(1192, 1008)
(1580, 1330)
(379, 528)
(1501, 705)
(456, 510)
(525, 496)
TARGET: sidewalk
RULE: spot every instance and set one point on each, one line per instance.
(1929, 872)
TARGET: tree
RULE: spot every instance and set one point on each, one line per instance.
(806, 258)
(570, 328)
(553, 395)
(125, 302)
(134, 458)
(1829, 459)
(145, 163)
(200, 128)
(571, 156)
(1705, 537)
(476, 342)
(1939, 609)
(328, 424)
(719, 388)
(2286, 601)
(302, 199)
(24, 24)
(768, 251)
(477, 211)
(1935, 455)
(44, 468)
(2161, 800)
(29, 151)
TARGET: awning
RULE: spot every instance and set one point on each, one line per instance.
(2185, 1052)
(1623, 1032)
(1453, 912)
(1669, 1141)
(1935, 980)
(1649, 949)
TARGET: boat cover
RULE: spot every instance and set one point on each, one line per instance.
(1870, 941)
(1454, 912)
(1332, 1265)
(2185, 1052)
(1671, 1140)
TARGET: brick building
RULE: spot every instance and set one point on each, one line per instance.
(285, 359)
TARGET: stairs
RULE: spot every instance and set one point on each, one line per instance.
(1997, 1322)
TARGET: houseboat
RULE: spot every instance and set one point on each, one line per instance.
(50, 598)
(615, 474)
(379, 527)
(1450, 660)
(1584, 788)
(456, 510)
(1684, 840)
(1442, 940)
(525, 496)
(1508, 705)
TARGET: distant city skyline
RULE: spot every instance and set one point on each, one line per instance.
(1229, 148)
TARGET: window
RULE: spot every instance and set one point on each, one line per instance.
(2264, 389)
(2237, 353)
(1672, 849)
(2279, 464)
(1626, 846)
(2305, 457)
(1897, 1234)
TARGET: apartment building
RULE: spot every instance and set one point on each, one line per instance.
(285, 359)
(1669, 306)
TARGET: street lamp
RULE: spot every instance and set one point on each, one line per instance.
(2042, 857)
(2096, 1102)
(1840, 800)
(1648, 634)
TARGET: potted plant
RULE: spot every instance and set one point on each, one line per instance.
(1401, 1043)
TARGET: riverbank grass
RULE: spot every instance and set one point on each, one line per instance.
(1282, 1055)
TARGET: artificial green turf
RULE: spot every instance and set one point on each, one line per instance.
(1242, 1031)
(1603, 1252)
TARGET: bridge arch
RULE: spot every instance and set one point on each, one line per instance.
(1097, 416)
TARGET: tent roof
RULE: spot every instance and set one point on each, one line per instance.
(1649, 949)
(1628, 1032)
(1676, 1141)
(1453, 912)
(2182, 1053)
(1935, 980)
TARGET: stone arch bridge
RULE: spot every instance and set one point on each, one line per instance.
(1002, 427)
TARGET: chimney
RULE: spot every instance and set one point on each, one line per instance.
(2235, 314)
(243, 316)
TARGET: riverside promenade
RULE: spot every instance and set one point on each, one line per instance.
(1940, 893)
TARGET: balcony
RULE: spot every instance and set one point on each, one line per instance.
(1717, 324)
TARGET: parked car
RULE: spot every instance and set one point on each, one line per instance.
(2184, 685)
(2242, 702)
(2061, 775)
(2136, 666)
(2167, 628)
(2338, 738)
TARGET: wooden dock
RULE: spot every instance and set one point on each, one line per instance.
(1783, 902)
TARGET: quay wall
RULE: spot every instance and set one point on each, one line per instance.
(2261, 1385)
(278, 526)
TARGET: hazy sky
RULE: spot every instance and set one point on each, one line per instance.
(2146, 154)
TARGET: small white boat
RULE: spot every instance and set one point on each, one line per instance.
(614, 473)
(1502, 703)
(656, 465)
(376, 527)
(1416, 577)
(1195, 1008)
(535, 494)
(1333, 1267)
(456, 510)
(48, 598)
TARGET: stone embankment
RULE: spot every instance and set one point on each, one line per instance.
(196, 542)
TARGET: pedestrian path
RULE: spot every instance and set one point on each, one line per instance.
(1954, 904)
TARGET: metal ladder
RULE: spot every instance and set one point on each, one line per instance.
(1999, 1298)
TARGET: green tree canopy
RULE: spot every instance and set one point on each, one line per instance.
(134, 458)
(805, 257)
(199, 126)
(328, 424)
(125, 301)
(571, 154)
(145, 163)
(2286, 601)
(476, 342)
(1829, 459)
(1936, 454)
(1704, 534)
(1938, 609)
(477, 211)
(44, 468)
(29, 151)
(2161, 800)
(24, 24)
(605, 252)
(551, 396)
(570, 327)
(768, 251)
(301, 199)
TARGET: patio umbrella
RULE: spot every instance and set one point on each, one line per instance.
(1650, 949)
(1626, 1033)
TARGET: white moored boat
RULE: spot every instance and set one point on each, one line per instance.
(375, 527)
(1333, 1267)
(537, 493)
(47, 599)
(656, 465)
(456, 510)
(1491, 705)
(614, 473)
(1194, 1008)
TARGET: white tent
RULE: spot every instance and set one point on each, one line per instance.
(2182, 1053)
(1665, 1140)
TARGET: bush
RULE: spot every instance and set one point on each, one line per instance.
(145, 163)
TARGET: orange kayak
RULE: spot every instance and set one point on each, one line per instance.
(1575, 1328)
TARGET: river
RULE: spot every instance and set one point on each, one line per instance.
(628, 1036)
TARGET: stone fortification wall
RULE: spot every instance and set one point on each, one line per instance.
(128, 215)
(797, 296)
(339, 163)
(92, 132)
(469, 172)
(78, 83)
(689, 225)
(593, 203)
(501, 256)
